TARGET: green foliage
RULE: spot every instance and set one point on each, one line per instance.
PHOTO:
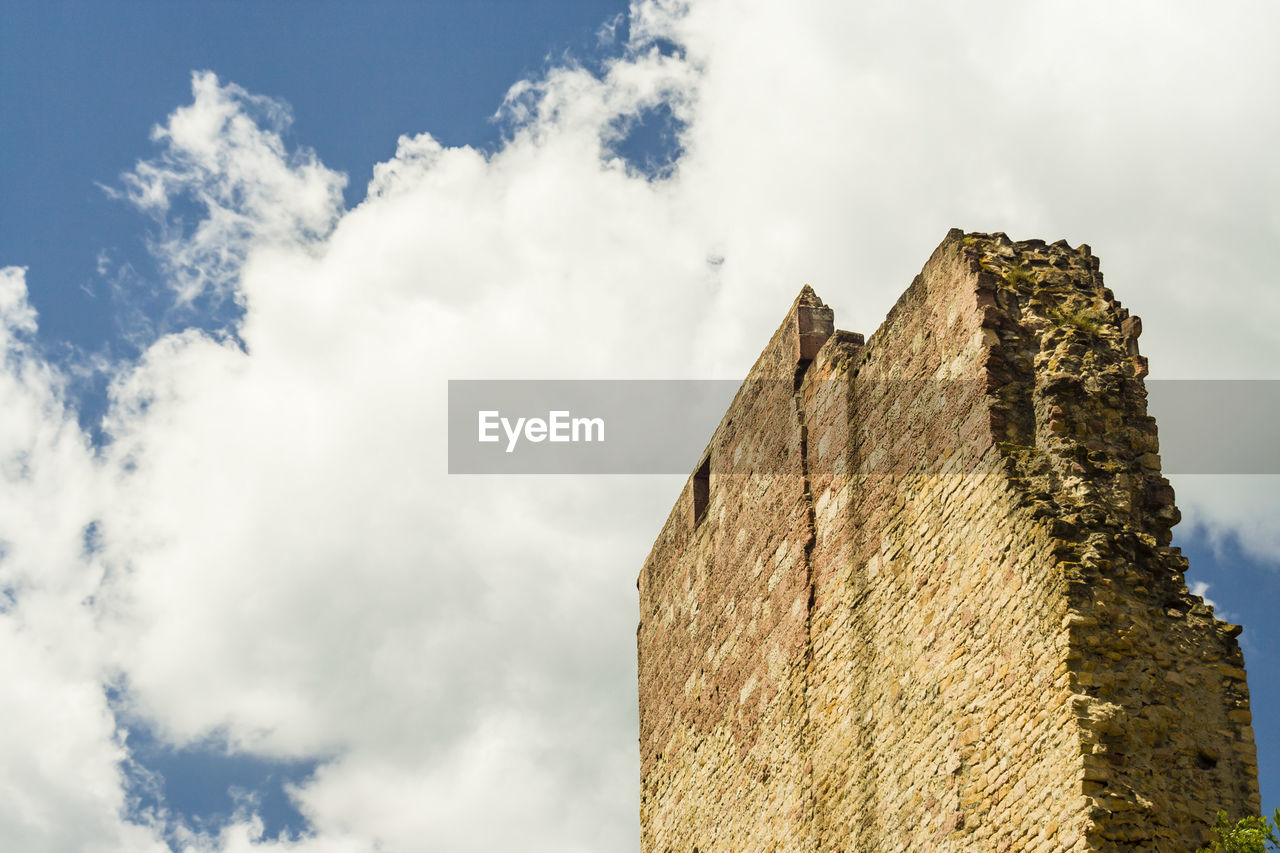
(1080, 318)
(1019, 277)
(1253, 834)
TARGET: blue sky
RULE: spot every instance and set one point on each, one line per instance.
(372, 198)
(82, 83)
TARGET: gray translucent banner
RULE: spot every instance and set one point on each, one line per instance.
(1217, 426)
(516, 427)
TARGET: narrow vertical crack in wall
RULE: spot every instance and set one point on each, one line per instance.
(806, 485)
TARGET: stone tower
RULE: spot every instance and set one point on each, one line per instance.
(919, 593)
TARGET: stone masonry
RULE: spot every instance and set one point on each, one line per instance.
(919, 595)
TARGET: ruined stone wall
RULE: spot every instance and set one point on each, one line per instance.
(940, 694)
(930, 604)
(1158, 684)
(724, 633)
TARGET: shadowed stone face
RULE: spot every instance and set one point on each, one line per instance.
(920, 595)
